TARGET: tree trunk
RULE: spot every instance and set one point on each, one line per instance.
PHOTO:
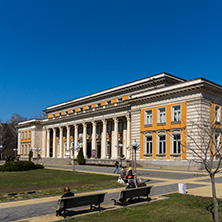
(216, 216)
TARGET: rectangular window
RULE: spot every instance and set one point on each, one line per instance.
(217, 144)
(25, 135)
(29, 146)
(98, 105)
(98, 128)
(90, 107)
(176, 115)
(108, 102)
(89, 130)
(176, 144)
(81, 109)
(22, 136)
(120, 127)
(25, 149)
(22, 150)
(217, 114)
(29, 135)
(149, 117)
(149, 145)
(162, 115)
(109, 128)
(162, 144)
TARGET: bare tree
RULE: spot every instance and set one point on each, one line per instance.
(204, 145)
(9, 134)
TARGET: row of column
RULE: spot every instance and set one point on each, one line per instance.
(114, 138)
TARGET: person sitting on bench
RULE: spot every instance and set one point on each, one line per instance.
(67, 193)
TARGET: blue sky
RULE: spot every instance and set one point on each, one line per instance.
(53, 51)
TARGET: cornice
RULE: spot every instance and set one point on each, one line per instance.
(88, 114)
(124, 89)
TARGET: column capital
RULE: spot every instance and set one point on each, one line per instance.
(115, 119)
(84, 124)
(94, 123)
(128, 117)
(104, 121)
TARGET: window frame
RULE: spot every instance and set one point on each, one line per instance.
(148, 151)
(173, 111)
(164, 142)
(217, 113)
(159, 116)
(178, 142)
(150, 123)
(218, 141)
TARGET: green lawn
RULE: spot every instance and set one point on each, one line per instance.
(178, 208)
(47, 182)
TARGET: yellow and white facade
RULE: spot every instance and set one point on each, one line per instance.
(155, 112)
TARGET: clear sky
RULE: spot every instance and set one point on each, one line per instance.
(53, 51)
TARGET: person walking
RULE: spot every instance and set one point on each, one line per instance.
(117, 167)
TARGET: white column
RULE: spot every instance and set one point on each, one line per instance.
(104, 146)
(19, 143)
(54, 143)
(128, 137)
(115, 140)
(94, 135)
(60, 141)
(33, 138)
(68, 137)
(76, 138)
(84, 139)
(76, 135)
(43, 142)
(48, 142)
(124, 138)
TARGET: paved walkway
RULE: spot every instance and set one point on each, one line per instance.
(163, 181)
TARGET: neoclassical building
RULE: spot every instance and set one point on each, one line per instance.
(155, 112)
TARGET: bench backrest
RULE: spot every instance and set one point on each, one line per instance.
(70, 202)
(135, 192)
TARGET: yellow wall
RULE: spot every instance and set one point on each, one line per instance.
(125, 97)
(166, 127)
(114, 100)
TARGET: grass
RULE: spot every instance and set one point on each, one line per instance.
(178, 208)
(45, 182)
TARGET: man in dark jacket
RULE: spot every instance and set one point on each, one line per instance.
(67, 193)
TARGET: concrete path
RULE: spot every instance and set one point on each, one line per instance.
(163, 181)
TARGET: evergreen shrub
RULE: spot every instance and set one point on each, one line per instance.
(20, 166)
(80, 157)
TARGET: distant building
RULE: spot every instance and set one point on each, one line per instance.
(154, 111)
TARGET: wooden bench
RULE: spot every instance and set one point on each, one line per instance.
(131, 193)
(71, 202)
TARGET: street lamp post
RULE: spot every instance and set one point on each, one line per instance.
(73, 156)
(1, 147)
(135, 146)
(15, 149)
